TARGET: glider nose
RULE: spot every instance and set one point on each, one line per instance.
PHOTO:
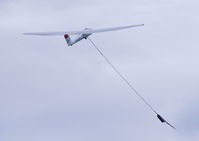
(66, 36)
(68, 40)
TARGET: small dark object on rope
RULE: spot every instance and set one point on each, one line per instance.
(164, 121)
(160, 118)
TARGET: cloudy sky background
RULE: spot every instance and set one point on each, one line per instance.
(49, 92)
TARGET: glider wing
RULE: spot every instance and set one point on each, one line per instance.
(110, 29)
(86, 31)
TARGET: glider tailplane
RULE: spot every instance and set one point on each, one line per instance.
(68, 39)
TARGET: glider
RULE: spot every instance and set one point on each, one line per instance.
(80, 34)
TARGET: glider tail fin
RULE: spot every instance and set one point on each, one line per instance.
(68, 39)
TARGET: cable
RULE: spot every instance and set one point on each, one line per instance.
(123, 78)
(129, 84)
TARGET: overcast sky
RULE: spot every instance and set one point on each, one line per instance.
(52, 92)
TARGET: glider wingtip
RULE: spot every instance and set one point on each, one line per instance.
(141, 24)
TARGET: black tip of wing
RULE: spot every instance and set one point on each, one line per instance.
(163, 120)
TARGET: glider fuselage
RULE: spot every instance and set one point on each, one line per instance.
(70, 41)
